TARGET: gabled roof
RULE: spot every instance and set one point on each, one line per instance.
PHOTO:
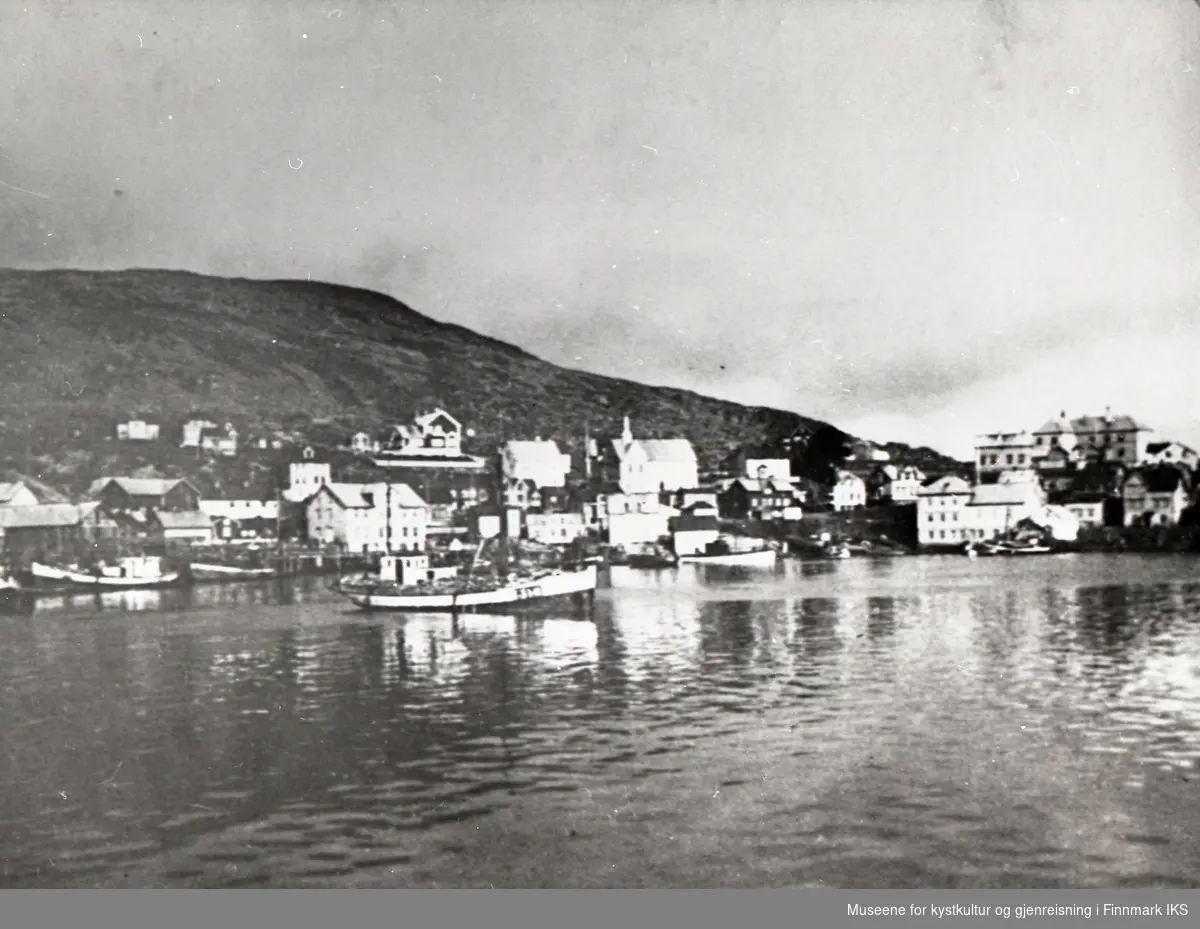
(428, 419)
(139, 486)
(351, 496)
(846, 476)
(945, 485)
(45, 515)
(659, 451)
(1108, 424)
(534, 454)
(9, 489)
(187, 520)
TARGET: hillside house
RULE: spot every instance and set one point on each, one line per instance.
(1117, 438)
(1155, 497)
(1170, 453)
(193, 431)
(194, 527)
(541, 462)
(358, 518)
(137, 430)
(436, 435)
(361, 443)
(759, 498)
(49, 531)
(849, 492)
(941, 505)
(123, 494)
(17, 494)
(691, 534)
(520, 493)
(554, 528)
(904, 486)
(654, 465)
(996, 452)
(220, 442)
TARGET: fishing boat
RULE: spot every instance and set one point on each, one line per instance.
(406, 584)
(127, 574)
(202, 571)
(719, 553)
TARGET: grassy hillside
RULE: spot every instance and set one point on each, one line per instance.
(81, 350)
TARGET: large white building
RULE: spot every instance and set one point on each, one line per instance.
(997, 452)
(538, 461)
(950, 512)
(654, 465)
(941, 511)
(358, 517)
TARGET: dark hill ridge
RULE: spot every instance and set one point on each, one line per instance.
(80, 350)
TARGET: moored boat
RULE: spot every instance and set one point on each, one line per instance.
(755, 558)
(409, 593)
(203, 571)
(128, 574)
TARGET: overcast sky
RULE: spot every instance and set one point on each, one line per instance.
(920, 219)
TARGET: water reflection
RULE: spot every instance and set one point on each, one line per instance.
(845, 724)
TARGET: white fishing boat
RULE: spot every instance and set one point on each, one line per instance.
(418, 589)
(126, 574)
(202, 571)
(756, 558)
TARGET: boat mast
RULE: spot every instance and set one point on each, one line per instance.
(388, 516)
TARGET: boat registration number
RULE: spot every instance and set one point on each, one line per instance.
(526, 593)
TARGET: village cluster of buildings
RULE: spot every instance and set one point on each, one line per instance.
(1066, 475)
(628, 491)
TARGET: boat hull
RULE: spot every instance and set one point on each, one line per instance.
(74, 580)
(217, 572)
(518, 595)
(760, 559)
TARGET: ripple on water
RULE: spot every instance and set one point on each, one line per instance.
(980, 735)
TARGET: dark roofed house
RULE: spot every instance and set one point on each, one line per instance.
(116, 494)
(758, 499)
(1155, 496)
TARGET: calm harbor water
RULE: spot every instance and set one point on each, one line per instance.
(905, 722)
